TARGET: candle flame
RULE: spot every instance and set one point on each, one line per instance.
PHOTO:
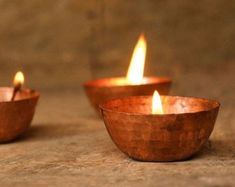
(135, 72)
(156, 104)
(19, 79)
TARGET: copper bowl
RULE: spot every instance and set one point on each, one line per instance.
(16, 116)
(101, 90)
(176, 135)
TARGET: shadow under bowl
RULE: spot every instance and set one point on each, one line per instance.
(16, 116)
(101, 90)
(176, 135)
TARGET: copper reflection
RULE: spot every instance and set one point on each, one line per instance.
(101, 90)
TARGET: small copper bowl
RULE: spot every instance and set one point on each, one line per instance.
(176, 135)
(16, 116)
(101, 90)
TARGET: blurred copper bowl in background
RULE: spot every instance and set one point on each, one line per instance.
(16, 116)
(176, 135)
(101, 90)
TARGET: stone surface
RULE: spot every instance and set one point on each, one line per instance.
(60, 44)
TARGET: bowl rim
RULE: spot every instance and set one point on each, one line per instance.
(103, 108)
(92, 83)
(33, 95)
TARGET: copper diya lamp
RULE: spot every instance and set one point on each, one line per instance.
(134, 84)
(17, 107)
(171, 133)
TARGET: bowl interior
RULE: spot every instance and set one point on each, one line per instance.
(6, 94)
(171, 105)
(122, 81)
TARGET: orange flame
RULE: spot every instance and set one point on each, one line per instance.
(135, 72)
(156, 104)
(19, 79)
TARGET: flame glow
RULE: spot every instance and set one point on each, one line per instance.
(156, 104)
(19, 79)
(135, 72)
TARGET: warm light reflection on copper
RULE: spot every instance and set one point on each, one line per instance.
(135, 72)
(156, 104)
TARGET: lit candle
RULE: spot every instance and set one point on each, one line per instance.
(17, 107)
(154, 128)
(17, 83)
(156, 104)
(135, 72)
(134, 83)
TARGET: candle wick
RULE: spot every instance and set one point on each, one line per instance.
(15, 90)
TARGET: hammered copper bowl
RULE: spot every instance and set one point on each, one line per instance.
(16, 116)
(101, 90)
(174, 136)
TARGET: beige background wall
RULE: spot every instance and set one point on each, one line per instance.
(63, 43)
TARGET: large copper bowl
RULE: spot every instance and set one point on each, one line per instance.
(176, 135)
(101, 90)
(16, 116)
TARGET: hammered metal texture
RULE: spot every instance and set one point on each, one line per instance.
(169, 137)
